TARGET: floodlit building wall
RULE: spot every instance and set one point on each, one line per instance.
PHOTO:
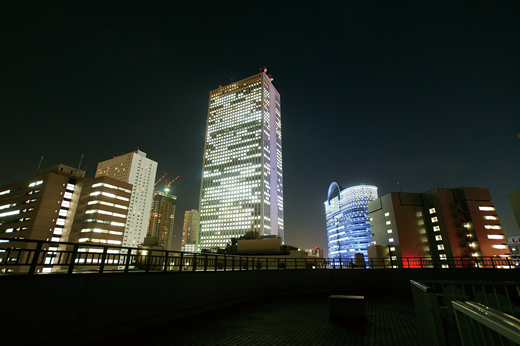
(397, 221)
(439, 223)
(39, 208)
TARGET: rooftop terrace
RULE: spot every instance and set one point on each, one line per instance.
(301, 319)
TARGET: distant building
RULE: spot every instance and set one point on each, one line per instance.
(242, 178)
(190, 231)
(439, 223)
(514, 247)
(315, 252)
(39, 208)
(60, 205)
(136, 169)
(253, 244)
(162, 219)
(348, 226)
(514, 200)
(100, 218)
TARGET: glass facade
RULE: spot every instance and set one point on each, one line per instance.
(242, 179)
(348, 224)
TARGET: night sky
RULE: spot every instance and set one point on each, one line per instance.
(375, 92)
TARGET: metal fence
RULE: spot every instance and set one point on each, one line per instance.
(435, 311)
(23, 256)
(481, 325)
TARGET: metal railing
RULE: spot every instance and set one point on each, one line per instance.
(482, 325)
(428, 314)
(435, 312)
(23, 256)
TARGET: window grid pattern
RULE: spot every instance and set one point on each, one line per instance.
(243, 140)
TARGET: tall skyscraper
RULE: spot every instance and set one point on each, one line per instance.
(162, 219)
(348, 226)
(190, 230)
(242, 179)
(136, 169)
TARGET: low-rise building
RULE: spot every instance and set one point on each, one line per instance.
(438, 224)
(59, 205)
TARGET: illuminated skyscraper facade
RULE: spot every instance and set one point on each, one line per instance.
(136, 169)
(242, 179)
(162, 218)
(348, 225)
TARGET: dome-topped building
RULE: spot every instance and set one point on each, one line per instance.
(348, 224)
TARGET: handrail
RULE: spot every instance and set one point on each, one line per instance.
(503, 324)
(70, 256)
(422, 287)
(428, 314)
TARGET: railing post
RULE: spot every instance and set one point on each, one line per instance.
(278, 263)
(181, 263)
(36, 256)
(420, 261)
(103, 258)
(508, 263)
(233, 263)
(73, 259)
(240, 263)
(128, 256)
(195, 262)
(492, 263)
(166, 255)
(253, 265)
(148, 262)
(225, 262)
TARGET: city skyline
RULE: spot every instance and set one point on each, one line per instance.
(424, 94)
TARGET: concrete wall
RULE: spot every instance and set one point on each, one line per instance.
(84, 307)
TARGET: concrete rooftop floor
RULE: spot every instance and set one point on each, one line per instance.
(286, 320)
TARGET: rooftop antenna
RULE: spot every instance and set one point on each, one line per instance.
(77, 172)
(399, 184)
(41, 159)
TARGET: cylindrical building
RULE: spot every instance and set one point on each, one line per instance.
(348, 225)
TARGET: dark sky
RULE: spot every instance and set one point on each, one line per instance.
(373, 92)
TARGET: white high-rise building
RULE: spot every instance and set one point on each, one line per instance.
(136, 169)
(242, 180)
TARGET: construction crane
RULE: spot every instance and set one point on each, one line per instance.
(157, 182)
(167, 186)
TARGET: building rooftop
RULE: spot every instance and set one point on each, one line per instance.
(287, 320)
